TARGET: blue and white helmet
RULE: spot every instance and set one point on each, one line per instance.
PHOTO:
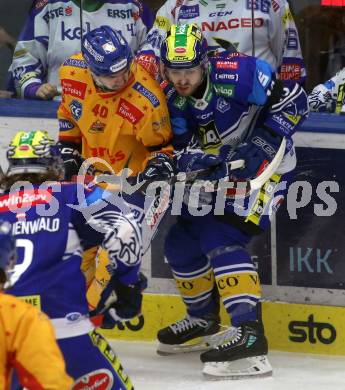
(106, 51)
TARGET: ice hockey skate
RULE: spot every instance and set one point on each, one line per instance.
(188, 335)
(241, 353)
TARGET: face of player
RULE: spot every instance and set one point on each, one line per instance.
(113, 82)
(185, 81)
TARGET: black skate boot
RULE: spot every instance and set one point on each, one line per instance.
(241, 352)
(187, 335)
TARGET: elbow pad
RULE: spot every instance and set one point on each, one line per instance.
(288, 112)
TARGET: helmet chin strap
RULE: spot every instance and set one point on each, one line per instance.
(103, 87)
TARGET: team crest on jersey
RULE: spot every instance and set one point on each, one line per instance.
(223, 105)
(76, 109)
(97, 127)
(122, 239)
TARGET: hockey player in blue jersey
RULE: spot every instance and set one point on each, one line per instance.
(52, 228)
(27, 339)
(224, 108)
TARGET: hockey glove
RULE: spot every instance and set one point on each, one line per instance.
(73, 160)
(159, 168)
(119, 302)
(257, 151)
(213, 165)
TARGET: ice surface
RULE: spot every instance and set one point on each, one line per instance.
(291, 371)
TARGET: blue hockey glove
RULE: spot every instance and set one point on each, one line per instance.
(213, 166)
(257, 151)
(119, 302)
(160, 167)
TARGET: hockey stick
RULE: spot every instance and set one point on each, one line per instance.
(181, 177)
(253, 184)
(271, 168)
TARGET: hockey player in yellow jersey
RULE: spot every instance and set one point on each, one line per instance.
(27, 339)
(114, 110)
(111, 107)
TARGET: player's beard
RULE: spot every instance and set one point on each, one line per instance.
(186, 89)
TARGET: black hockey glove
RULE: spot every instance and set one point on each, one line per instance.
(119, 302)
(159, 168)
(70, 154)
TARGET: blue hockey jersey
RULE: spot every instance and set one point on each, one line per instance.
(52, 225)
(235, 103)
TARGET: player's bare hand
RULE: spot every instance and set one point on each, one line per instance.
(47, 91)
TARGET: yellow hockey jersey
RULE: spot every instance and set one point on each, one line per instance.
(122, 128)
(27, 343)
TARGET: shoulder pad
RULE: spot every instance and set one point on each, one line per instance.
(242, 78)
(285, 116)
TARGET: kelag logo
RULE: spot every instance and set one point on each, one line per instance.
(73, 33)
(313, 331)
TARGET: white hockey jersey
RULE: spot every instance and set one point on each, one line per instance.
(329, 96)
(267, 31)
(52, 33)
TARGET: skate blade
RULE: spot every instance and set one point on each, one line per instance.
(199, 345)
(254, 367)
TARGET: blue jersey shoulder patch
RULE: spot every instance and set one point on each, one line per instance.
(240, 77)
